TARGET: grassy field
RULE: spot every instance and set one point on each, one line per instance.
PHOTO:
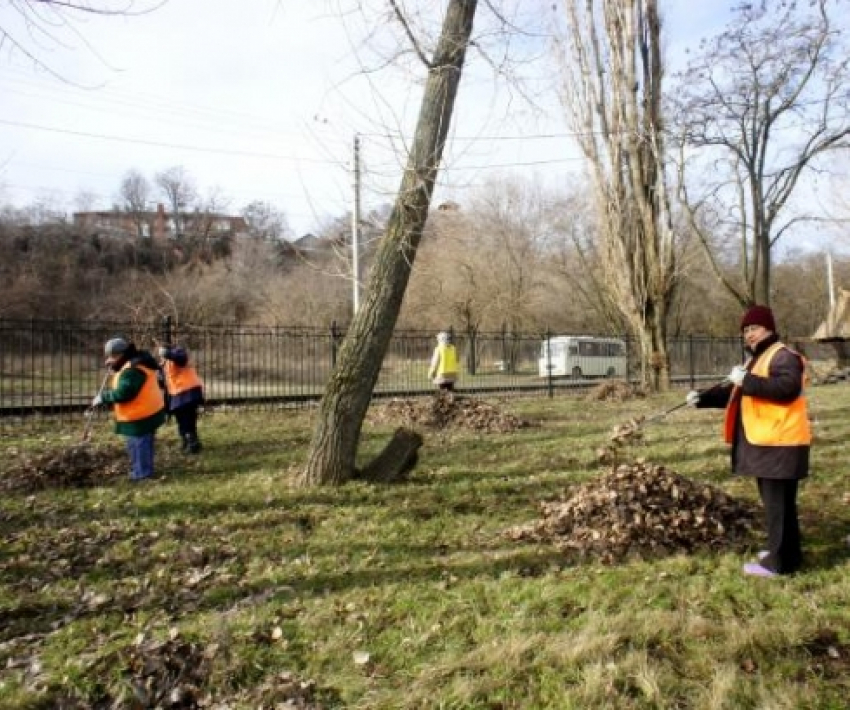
(223, 576)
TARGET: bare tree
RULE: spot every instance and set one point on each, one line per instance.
(756, 107)
(575, 256)
(613, 89)
(265, 221)
(511, 227)
(135, 193)
(333, 449)
(178, 189)
(33, 27)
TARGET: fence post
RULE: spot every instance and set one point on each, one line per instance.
(505, 355)
(549, 385)
(471, 350)
(166, 331)
(334, 343)
(691, 369)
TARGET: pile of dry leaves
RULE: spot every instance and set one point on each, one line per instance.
(175, 673)
(446, 410)
(614, 391)
(641, 510)
(78, 465)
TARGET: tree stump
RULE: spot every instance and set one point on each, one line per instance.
(396, 460)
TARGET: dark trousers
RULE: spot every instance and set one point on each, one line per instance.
(187, 422)
(784, 546)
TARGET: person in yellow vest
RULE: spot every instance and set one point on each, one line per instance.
(443, 369)
(767, 425)
(185, 395)
(138, 402)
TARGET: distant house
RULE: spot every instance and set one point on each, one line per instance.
(159, 224)
(310, 242)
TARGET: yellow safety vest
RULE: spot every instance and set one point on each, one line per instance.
(448, 360)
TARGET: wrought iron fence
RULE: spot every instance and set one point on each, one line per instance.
(53, 368)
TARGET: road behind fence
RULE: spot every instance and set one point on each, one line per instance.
(54, 368)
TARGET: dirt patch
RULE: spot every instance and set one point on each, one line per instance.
(78, 466)
(614, 391)
(444, 411)
(641, 510)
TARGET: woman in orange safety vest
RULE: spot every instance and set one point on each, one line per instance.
(138, 402)
(767, 424)
(185, 395)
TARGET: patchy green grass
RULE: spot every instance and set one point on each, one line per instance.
(409, 595)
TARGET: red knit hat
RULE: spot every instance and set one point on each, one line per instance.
(759, 315)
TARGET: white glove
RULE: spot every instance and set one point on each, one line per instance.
(97, 401)
(692, 399)
(736, 377)
(162, 352)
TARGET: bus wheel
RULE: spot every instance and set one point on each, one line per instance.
(576, 373)
(611, 372)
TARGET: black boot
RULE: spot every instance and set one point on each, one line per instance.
(193, 446)
(187, 443)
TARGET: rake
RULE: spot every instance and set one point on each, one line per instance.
(661, 415)
(89, 413)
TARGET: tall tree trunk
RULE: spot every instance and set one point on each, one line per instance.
(612, 88)
(334, 446)
(762, 290)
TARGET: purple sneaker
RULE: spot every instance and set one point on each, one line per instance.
(762, 554)
(757, 570)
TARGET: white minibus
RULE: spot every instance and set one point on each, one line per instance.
(582, 356)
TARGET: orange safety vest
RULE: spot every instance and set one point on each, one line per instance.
(180, 379)
(145, 404)
(768, 423)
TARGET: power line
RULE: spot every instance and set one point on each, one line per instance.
(162, 144)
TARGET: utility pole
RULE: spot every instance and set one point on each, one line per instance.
(830, 282)
(355, 227)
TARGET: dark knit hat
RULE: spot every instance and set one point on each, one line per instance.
(759, 315)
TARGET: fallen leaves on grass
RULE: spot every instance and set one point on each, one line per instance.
(614, 391)
(78, 465)
(445, 410)
(641, 510)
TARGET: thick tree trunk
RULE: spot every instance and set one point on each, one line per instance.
(331, 460)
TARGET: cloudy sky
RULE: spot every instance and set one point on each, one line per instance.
(260, 100)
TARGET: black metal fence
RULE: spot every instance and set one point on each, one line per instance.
(55, 367)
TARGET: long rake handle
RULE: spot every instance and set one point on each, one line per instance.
(89, 413)
(663, 414)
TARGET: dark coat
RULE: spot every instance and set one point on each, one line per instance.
(784, 384)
